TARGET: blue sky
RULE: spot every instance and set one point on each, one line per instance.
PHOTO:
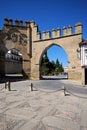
(48, 14)
(55, 52)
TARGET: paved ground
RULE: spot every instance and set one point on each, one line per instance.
(45, 108)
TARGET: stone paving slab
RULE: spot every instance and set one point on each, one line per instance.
(41, 110)
(61, 122)
(84, 118)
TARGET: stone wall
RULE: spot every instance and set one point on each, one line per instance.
(32, 44)
(69, 41)
(13, 67)
(2, 66)
(18, 37)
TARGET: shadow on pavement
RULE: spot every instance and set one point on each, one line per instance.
(11, 79)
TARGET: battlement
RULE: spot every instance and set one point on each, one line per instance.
(9, 22)
(46, 35)
(18, 23)
(37, 35)
(55, 33)
(67, 31)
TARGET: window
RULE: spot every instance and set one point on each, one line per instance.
(13, 55)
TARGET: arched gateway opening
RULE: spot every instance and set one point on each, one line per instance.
(68, 41)
(54, 63)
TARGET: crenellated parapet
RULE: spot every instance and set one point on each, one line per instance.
(55, 33)
(35, 31)
(78, 28)
(17, 23)
(46, 35)
(9, 22)
(66, 31)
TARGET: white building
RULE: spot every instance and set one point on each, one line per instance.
(66, 69)
(83, 56)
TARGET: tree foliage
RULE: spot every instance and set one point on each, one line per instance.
(50, 67)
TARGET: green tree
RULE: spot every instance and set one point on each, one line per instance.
(50, 67)
(59, 68)
(45, 65)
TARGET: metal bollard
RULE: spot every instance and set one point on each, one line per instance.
(63, 89)
(7, 86)
(31, 87)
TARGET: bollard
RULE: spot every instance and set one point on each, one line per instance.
(7, 86)
(31, 87)
(63, 89)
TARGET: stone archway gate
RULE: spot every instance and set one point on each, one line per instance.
(32, 44)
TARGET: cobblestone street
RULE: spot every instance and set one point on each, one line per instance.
(42, 109)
